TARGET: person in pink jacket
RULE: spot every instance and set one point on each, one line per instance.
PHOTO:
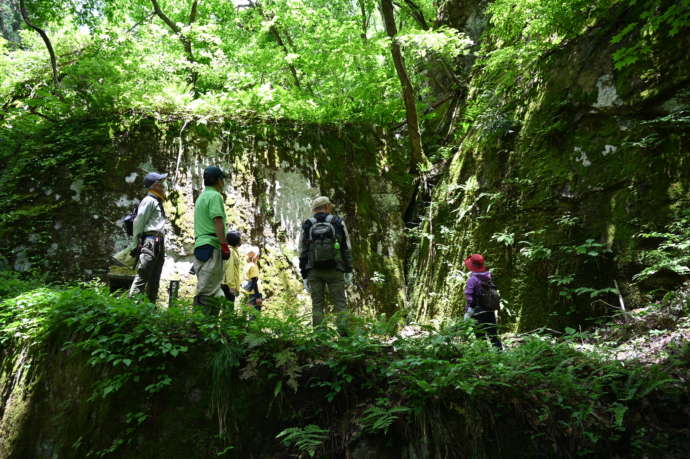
(480, 276)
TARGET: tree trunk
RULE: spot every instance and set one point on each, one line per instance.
(417, 151)
(46, 40)
(365, 20)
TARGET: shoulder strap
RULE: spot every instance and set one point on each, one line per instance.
(338, 229)
(159, 202)
(313, 221)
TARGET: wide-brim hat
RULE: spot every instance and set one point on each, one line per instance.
(475, 263)
(246, 249)
(320, 202)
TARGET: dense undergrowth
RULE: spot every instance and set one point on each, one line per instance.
(438, 392)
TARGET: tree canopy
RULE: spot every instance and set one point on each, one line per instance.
(315, 60)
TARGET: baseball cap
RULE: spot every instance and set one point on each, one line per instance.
(214, 173)
(234, 238)
(153, 177)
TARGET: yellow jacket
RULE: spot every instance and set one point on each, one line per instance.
(232, 270)
(251, 270)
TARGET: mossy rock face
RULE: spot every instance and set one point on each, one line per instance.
(559, 185)
(277, 167)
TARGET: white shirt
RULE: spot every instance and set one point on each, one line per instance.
(149, 218)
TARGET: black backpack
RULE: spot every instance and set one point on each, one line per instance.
(489, 299)
(128, 221)
(324, 247)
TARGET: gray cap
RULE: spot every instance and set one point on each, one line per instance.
(320, 202)
(153, 177)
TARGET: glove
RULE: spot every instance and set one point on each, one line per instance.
(469, 313)
(348, 279)
(225, 250)
(307, 287)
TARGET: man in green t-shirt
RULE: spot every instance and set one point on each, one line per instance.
(210, 246)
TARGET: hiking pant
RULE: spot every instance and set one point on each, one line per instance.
(250, 300)
(486, 326)
(228, 295)
(149, 268)
(209, 275)
(335, 280)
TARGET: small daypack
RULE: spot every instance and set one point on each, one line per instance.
(323, 243)
(128, 221)
(489, 298)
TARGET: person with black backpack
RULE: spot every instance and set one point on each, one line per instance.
(482, 299)
(325, 260)
(148, 237)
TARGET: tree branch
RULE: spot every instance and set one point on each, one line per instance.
(417, 151)
(46, 40)
(37, 113)
(165, 18)
(148, 16)
(430, 109)
(193, 12)
(416, 13)
(293, 70)
(186, 43)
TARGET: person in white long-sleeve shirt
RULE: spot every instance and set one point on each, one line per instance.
(149, 237)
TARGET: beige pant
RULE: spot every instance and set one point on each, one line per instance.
(209, 275)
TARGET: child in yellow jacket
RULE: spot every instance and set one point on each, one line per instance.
(250, 282)
(231, 277)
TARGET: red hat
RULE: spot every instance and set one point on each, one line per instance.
(475, 263)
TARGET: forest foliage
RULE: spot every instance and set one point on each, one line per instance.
(314, 60)
(310, 60)
(569, 401)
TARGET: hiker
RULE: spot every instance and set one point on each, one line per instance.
(210, 245)
(250, 282)
(325, 260)
(482, 299)
(148, 237)
(231, 280)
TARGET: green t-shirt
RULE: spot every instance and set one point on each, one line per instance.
(208, 206)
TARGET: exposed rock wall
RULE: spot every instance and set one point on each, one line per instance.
(552, 184)
(276, 167)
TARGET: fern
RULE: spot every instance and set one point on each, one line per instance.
(307, 439)
(381, 416)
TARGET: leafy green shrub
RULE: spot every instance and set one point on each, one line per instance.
(11, 284)
(672, 253)
(375, 377)
(657, 20)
